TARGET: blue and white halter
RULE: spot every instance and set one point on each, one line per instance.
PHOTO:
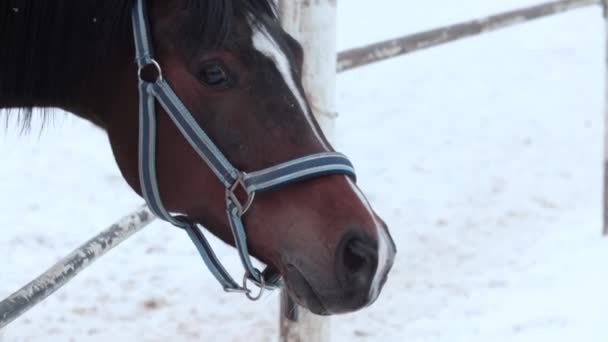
(314, 165)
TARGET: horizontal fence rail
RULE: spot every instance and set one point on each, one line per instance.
(357, 57)
(67, 268)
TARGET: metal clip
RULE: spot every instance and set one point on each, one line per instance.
(261, 286)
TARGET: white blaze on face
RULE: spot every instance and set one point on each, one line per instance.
(383, 258)
(265, 44)
(384, 248)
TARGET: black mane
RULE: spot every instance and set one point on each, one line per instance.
(50, 47)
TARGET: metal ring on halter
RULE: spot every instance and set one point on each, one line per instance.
(231, 195)
(159, 70)
(248, 291)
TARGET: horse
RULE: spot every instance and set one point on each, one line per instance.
(236, 74)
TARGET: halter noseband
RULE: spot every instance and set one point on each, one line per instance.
(295, 170)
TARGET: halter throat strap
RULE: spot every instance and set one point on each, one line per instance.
(296, 170)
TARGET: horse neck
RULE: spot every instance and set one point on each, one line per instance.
(53, 56)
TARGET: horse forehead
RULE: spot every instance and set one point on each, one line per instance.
(266, 44)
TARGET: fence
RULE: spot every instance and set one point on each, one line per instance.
(67, 268)
(395, 47)
(361, 56)
(313, 23)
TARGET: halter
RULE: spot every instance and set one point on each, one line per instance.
(234, 180)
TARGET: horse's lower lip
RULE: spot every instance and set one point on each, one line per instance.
(300, 284)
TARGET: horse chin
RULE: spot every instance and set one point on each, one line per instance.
(303, 293)
(327, 302)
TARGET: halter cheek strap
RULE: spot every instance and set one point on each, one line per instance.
(296, 170)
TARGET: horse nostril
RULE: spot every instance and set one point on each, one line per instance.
(354, 256)
(357, 263)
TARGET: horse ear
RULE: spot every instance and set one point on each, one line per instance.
(297, 50)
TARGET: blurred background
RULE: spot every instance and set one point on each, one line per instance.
(484, 156)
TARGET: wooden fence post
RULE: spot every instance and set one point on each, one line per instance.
(313, 24)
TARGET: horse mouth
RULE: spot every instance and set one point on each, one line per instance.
(303, 292)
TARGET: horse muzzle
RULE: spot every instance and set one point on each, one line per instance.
(361, 269)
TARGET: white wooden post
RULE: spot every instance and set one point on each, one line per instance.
(605, 205)
(313, 24)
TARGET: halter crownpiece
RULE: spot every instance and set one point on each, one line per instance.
(299, 169)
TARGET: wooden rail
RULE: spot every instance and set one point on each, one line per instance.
(67, 268)
(357, 57)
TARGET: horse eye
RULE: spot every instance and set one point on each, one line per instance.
(213, 75)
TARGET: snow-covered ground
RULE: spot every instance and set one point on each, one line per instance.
(484, 156)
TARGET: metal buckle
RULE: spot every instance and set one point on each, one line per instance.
(232, 197)
(156, 65)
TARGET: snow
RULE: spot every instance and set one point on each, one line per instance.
(484, 156)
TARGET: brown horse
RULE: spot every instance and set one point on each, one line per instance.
(238, 72)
